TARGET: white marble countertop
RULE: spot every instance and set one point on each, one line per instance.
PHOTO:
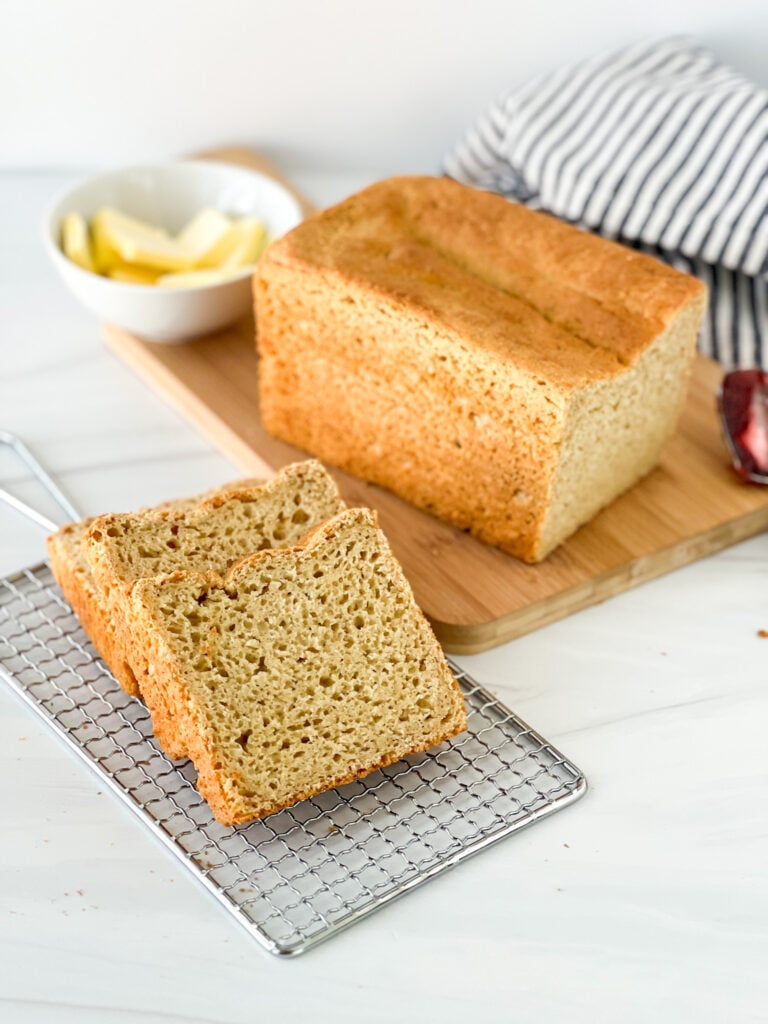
(647, 900)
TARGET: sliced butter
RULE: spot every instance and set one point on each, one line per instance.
(197, 278)
(138, 243)
(248, 244)
(104, 254)
(204, 235)
(76, 241)
(210, 249)
(132, 274)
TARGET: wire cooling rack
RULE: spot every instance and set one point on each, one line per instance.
(301, 875)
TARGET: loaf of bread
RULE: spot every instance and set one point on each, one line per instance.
(497, 367)
(73, 574)
(301, 669)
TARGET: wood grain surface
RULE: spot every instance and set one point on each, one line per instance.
(475, 596)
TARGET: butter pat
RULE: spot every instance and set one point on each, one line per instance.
(197, 278)
(133, 274)
(134, 241)
(250, 238)
(104, 255)
(204, 235)
(76, 241)
(210, 249)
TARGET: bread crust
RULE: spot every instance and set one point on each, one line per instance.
(436, 247)
(76, 581)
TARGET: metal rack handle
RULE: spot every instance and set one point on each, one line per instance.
(23, 454)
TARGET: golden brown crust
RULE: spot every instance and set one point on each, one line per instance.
(470, 258)
(77, 583)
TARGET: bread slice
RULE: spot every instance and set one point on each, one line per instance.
(499, 368)
(302, 669)
(73, 574)
(123, 548)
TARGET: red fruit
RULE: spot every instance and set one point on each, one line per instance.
(743, 405)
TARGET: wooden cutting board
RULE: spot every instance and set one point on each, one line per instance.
(475, 596)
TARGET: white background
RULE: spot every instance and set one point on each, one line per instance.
(330, 86)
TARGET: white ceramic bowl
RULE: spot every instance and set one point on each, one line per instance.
(169, 195)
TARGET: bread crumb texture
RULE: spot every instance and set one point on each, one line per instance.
(69, 564)
(215, 532)
(207, 536)
(300, 670)
(501, 369)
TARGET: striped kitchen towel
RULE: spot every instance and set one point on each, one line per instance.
(659, 146)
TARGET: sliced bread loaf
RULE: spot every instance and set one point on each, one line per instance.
(73, 574)
(121, 549)
(300, 670)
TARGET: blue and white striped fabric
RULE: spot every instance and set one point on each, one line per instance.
(659, 146)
